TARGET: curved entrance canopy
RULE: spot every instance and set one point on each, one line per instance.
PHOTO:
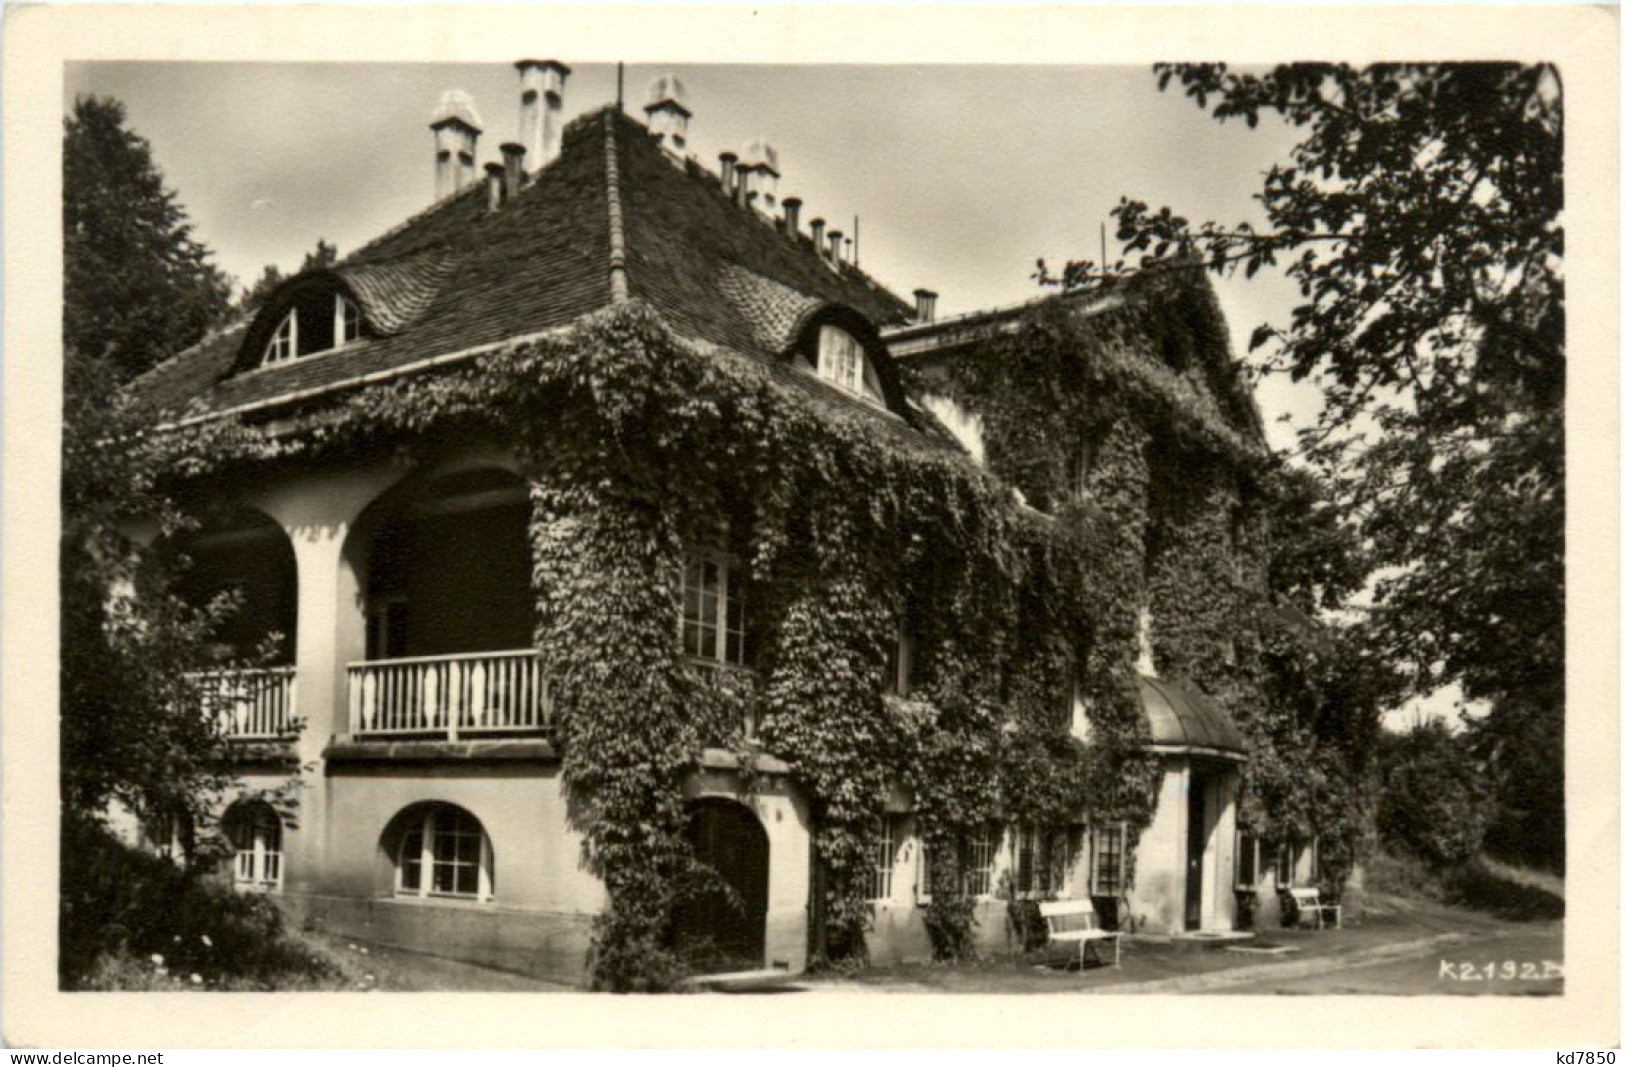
(1185, 720)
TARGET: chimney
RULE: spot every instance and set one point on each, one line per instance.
(541, 108)
(759, 163)
(792, 215)
(728, 159)
(493, 185)
(456, 127)
(925, 306)
(817, 228)
(513, 169)
(835, 247)
(666, 111)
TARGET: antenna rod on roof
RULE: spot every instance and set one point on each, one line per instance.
(620, 87)
(855, 240)
(1102, 248)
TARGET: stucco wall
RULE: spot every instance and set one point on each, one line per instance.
(536, 855)
(1157, 897)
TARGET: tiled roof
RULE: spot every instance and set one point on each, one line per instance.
(539, 262)
(773, 311)
(394, 293)
(459, 276)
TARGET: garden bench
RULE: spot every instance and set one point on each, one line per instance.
(1076, 921)
(1307, 902)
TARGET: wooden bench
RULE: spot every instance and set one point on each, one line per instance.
(1307, 901)
(1076, 921)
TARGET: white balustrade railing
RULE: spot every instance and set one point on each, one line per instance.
(450, 696)
(253, 704)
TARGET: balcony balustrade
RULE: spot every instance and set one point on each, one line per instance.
(450, 697)
(253, 704)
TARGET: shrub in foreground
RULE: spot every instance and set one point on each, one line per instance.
(134, 920)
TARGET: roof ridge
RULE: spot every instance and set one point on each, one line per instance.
(619, 288)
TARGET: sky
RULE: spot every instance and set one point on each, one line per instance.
(962, 176)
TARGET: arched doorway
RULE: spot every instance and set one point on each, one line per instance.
(715, 933)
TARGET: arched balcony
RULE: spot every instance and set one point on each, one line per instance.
(446, 595)
(240, 551)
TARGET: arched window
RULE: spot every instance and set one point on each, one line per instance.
(444, 852)
(255, 832)
(841, 361)
(314, 324)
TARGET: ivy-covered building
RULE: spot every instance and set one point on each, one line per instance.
(613, 532)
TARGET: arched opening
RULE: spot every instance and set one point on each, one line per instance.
(714, 932)
(448, 569)
(242, 551)
(249, 679)
(435, 849)
(255, 832)
(445, 576)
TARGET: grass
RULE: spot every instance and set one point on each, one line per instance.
(1482, 884)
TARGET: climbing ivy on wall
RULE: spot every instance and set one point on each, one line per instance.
(1127, 411)
(639, 445)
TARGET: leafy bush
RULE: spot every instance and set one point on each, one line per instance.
(119, 906)
(1436, 802)
(950, 923)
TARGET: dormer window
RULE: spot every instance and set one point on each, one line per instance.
(841, 361)
(314, 325)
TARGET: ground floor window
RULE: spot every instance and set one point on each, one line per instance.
(255, 833)
(1247, 849)
(884, 856)
(981, 851)
(1106, 879)
(170, 836)
(1040, 855)
(444, 852)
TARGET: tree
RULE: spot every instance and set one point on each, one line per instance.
(137, 286)
(254, 297)
(1420, 217)
(1433, 802)
(134, 729)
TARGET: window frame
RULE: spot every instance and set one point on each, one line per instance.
(978, 876)
(263, 854)
(842, 360)
(731, 590)
(283, 345)
(881, 880)
(427, 827)
(343, 333)
(1116, 833)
